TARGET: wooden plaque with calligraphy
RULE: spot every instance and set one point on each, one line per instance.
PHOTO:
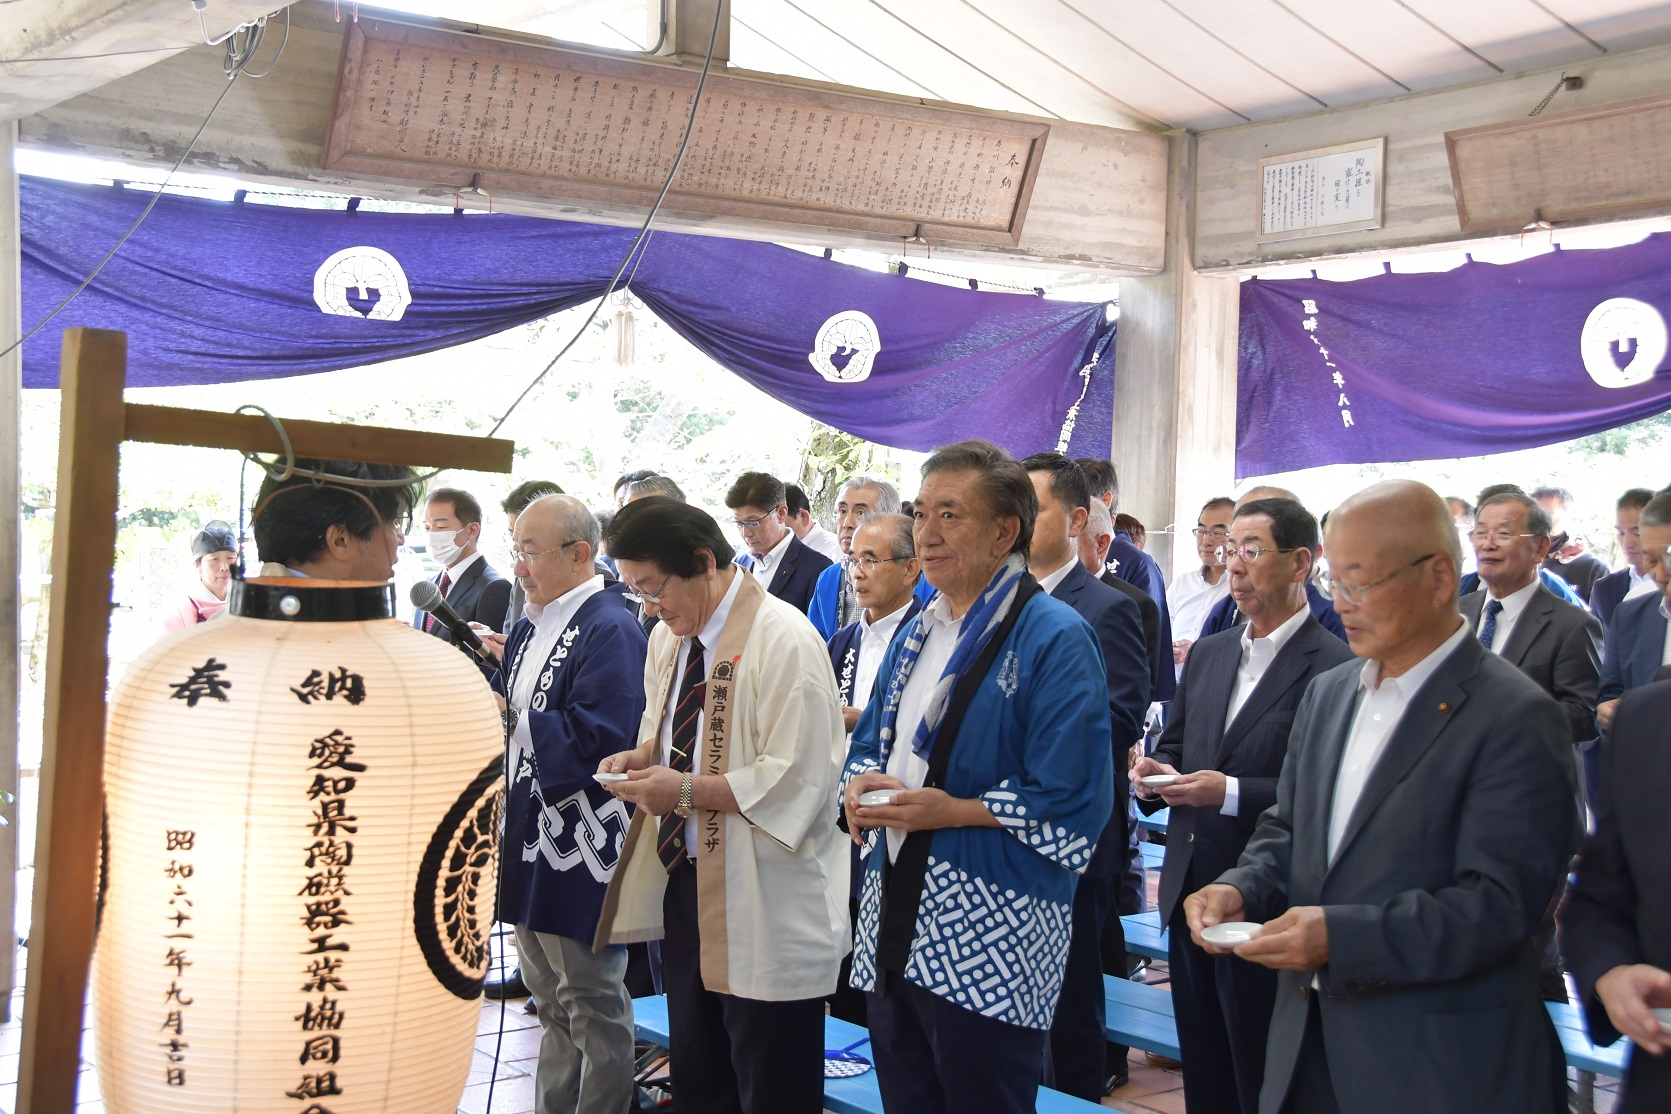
(1610, 160)
(441, 107)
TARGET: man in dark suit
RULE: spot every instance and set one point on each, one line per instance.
(1423, 822)
(1131, 564)
(1225, 614)
(785, 566)
(1568, 559)
(1093, 545)
(1077, 1046)
(471, 586)
(1554, 643)
(1226, 737)
(1616, 923)
(1612, 590)
(1638, 638)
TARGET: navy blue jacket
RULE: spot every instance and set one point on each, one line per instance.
(1608, 593)
(1618, 910)
(1139, 570)
(563, 831)
(797, 574)
(1115, 621)
(1224, 616)
(1635, 646)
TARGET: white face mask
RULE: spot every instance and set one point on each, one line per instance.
(443, 546)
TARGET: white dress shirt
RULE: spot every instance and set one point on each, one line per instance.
(1257, 655)
(822, 541)
(1381, 705)
(765, 565)
(940, 633)
(1513, 604)
(549, 623)
(1049, 583)
(456, 573)
(1640, 585)
(709, 634)
(873, 643)
(1665, 610)
(1188, 600)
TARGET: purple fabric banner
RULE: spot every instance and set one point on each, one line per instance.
(1481, 359)
(215, 292)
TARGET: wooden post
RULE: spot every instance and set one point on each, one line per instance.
(72, 758)
(93, 425)
(11, 552)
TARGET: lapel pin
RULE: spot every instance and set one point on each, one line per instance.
(1444, 708)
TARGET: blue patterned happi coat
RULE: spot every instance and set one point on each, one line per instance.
(563, 831)
(996, 908)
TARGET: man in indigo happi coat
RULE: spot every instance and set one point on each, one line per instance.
(993, 716)
(572, 686)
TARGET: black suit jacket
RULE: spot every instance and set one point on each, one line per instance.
(1202, 843)
(1447, 863)
(1119, 629)
(1160, 656)
(481, 595)
(1558, 646)
(797, 574)
(1618, 912)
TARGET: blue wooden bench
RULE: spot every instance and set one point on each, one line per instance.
(1145, 935)
(854, 1095)
(1140, 1016)
(1590, 1060)
(1154, 855)
(1155, 823)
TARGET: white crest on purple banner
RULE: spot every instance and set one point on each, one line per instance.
(1621, 327)
(846, 347)
(362, 270)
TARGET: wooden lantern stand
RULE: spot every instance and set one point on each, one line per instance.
(94, 423)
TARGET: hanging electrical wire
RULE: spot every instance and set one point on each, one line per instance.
(643, 230)
(239, 51)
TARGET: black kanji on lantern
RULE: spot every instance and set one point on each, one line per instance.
(319, 686)
(316, 1085)
(205, 680)
(331, 752)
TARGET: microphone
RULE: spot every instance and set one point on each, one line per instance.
(426, 596)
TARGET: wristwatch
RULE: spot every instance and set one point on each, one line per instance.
(684, 807)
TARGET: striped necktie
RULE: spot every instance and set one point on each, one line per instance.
(693, 688)
(446, 582)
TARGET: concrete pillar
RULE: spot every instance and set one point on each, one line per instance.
(1175, 381)
(11, 380)
(688, 25)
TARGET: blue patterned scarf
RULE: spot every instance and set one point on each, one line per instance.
(979, 622)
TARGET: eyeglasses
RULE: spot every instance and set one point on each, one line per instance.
(526, 556)
(1501, 537)
(1215, 534)
(1357, 593)
(754, 523)
(1248, 553)
(868, 564)
(649, 597)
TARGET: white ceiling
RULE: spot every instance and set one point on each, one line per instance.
(1197, 64)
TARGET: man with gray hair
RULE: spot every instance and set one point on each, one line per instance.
(1424, 818)
(833, 604)
(573, 694)
(995, 731)
(1554, 643)
(653, 485)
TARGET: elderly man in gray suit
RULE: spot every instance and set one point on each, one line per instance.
(1554, 643)
(1423, 822)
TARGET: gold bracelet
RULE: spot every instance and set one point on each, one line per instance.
(686, 788)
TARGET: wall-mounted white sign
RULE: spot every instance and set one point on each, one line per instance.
(1316, 193)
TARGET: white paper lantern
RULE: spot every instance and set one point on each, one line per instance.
(302, 814)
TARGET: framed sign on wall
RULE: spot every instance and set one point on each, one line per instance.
(1316, 193)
